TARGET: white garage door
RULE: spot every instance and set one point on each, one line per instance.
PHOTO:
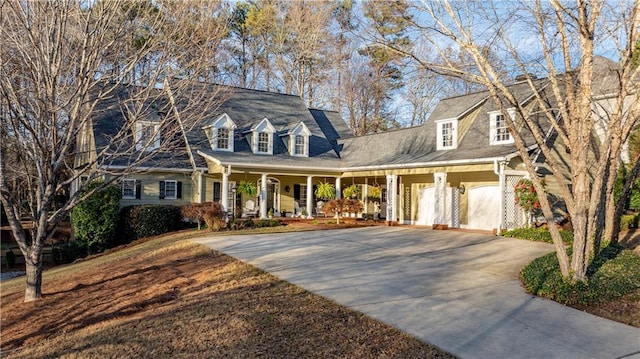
(484, 207)
(426, 207)
(426, 204)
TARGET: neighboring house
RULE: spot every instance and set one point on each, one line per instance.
(458, 169)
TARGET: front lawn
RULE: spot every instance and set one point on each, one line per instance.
(168, 297)
(612, 290)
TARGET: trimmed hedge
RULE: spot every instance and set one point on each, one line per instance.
(149, 220)
(95, 219)
(614, 273)
(538, 235)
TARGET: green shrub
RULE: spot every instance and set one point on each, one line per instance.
(538, 235)
(368, 216)
(267, 223)
(95, 219)
(613, 273)
(10, 259)
(149, 220)
(629, 221)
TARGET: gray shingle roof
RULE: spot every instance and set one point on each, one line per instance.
(417, 145)
(248, 107)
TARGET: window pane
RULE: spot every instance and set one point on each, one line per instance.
(502, 131)
(263, 142)
(129, 188)
(223, 138)
(303, 196)
(170, 190)
(299, 145)
(447, 134)
(147, 136)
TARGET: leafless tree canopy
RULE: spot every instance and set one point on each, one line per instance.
(557, 41)
(66, 64)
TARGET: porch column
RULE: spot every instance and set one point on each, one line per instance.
(439, 204)
(309, 196)
(391, 197)
(224, 191)
(202, 187)
(365, 195)
(338, 190)
(263, 196)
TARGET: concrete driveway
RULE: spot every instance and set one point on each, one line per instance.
(456, 290)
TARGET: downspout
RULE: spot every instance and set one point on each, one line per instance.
(501, 178)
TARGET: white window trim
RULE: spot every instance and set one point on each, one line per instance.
(138, 136)
(214, 139)
(175, 184)
(493, 131)
(223, 121)
(269, 150)
(134, 188)
(454, 134)
(300, 130)
(305, 145)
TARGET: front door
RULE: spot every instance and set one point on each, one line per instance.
(273, 194)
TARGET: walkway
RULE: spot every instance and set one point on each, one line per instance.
(456, 290)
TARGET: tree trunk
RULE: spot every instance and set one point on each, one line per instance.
(580, 221)
(33, 264)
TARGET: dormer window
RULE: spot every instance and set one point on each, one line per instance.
(300, 145)
(260, 137)
(499, 128)
(264, 142)
(222, 139)
(446, 137)
(147, 135)
(298, 140)
(220, 133)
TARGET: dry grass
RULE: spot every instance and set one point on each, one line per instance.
(168, 297)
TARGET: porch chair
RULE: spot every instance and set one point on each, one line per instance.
(319, 210)
(249, 209)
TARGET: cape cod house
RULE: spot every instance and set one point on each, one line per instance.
(458, 169)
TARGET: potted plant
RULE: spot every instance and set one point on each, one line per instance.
(247, 188)
(270, 213)
(303, 213)
(325, 191)
(351, 192)
(374, 196)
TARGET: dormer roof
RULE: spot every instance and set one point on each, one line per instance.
(222, 121)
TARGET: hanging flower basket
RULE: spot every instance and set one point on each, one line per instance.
(351, 192)
(375, 194)
(325, 191)
(247, 188)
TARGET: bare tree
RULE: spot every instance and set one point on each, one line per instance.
(65, 66)
(587, 100)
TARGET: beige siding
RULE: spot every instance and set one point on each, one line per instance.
(151, 188)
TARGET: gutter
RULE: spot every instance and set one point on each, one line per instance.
(257, 165)
(428, 164)
(155, 169)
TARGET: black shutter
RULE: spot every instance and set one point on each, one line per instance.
(161, 196)
(138, 189)
(296, 192)
(179, 189)
(216, 191)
